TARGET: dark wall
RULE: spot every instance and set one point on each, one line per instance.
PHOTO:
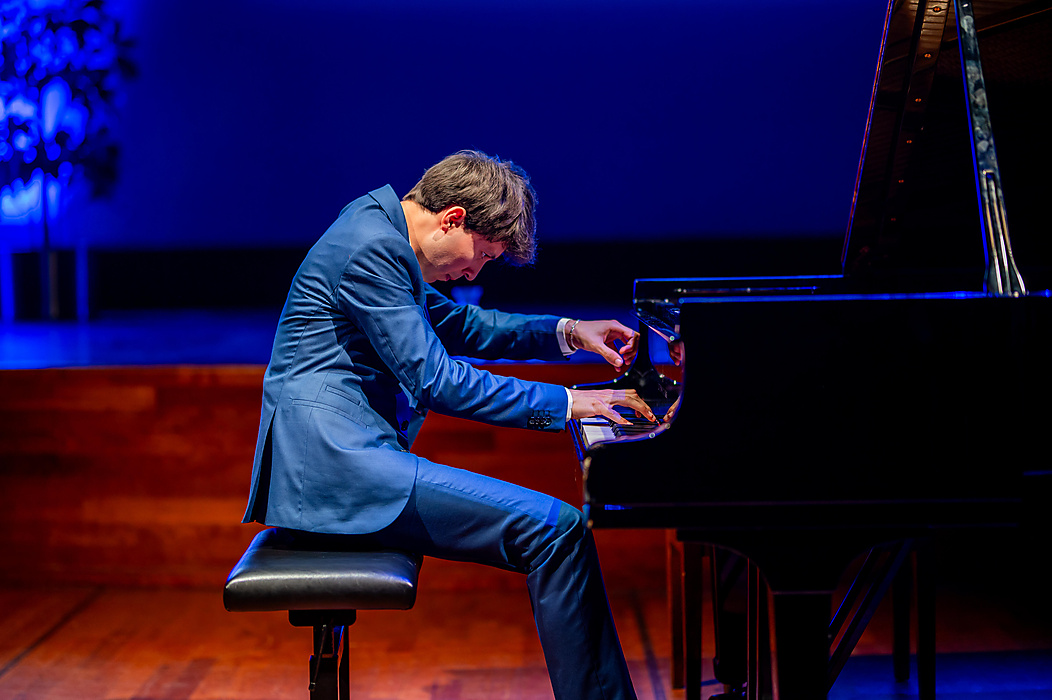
(565, 273)
(253, 122)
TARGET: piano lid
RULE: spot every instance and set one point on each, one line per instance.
(915, 206)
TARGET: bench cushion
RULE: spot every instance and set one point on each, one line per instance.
(281, 570)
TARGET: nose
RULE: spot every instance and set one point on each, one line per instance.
(471, 271)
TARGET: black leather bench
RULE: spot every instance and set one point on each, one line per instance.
(322, 582)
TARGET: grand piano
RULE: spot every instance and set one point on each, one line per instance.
(821, 417)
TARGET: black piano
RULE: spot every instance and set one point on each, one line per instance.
(818, 418)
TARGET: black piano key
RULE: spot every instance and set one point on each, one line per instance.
(635, 429)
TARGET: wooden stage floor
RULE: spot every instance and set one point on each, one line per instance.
(95, 643)
(121, 491)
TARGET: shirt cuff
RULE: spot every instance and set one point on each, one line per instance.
(560, 334)
(569, 405)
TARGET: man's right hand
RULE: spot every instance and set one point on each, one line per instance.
(601, 402)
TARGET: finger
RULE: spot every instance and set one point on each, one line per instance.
(671, 411)
(639, 406)
(608, 331)
(620, 332)
(675, 351)
(630, 345)
(610, 355)
(613, 415)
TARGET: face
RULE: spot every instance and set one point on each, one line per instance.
(456, 252)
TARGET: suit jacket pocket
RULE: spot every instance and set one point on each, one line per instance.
(339, 402)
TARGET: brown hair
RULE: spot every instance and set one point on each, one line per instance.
(496, 195)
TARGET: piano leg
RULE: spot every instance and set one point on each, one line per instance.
(801, 569)
(759, 683)
(732, 617)
(925, 577)
(901, 594)
(675, 591)
(757, 603)
(731, 613)
(801, 644)
(685, 603)
(693, 554)
(919, 577)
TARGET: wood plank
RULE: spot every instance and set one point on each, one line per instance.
(139, 475)
(165, 644)
(471, 645)
(29, 615)
(158, 644)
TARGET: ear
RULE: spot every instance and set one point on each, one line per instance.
(453, 216)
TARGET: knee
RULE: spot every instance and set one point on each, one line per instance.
(571, 524)
(564, 534)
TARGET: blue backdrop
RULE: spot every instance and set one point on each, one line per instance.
(253, 121)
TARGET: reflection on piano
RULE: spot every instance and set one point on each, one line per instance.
(820, 417)
(592, 431)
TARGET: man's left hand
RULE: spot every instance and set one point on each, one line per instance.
(601, 337)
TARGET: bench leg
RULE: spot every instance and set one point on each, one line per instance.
(330, 667)
(323, 665)
(345, 664)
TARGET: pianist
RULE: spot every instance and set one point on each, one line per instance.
(361, 354)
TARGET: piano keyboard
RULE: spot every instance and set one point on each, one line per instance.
(599, 429)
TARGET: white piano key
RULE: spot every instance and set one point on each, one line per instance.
(597, 432)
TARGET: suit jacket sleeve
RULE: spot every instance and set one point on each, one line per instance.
(380, 289)
(488, 334)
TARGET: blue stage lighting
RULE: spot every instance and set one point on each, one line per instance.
(59, 69)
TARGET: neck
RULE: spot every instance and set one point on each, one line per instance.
(420, 223)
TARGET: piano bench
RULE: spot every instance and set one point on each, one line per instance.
(322, 583)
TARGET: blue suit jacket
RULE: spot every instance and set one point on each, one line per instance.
(361, 353)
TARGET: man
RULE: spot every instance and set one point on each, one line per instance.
(362, 351)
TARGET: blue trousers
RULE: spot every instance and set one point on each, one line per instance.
(459, 515)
